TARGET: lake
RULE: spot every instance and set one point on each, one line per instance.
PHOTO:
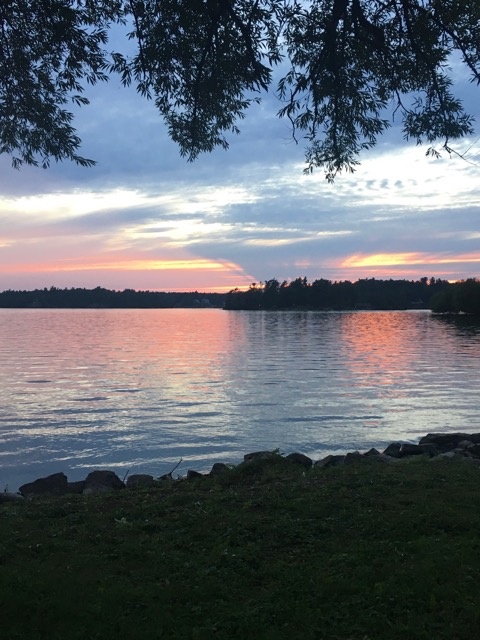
(138, 390)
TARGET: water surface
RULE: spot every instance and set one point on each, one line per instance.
(137, 390)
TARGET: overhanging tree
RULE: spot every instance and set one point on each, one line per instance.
(346, 67)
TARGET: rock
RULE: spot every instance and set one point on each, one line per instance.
(472, 449)
(167, 477)
(448, 454)
(393, 450)
(102, 481)
(6, 496)
(330, 461)
(219, 468)
(372, 452)
(55, 484)
(353, 457)
(407, 449)
(465, 444)
(259, 455)
(301, 459)
(430, 448)
(449, 441)
(381, 458)
(192, 475)
(140, 481)
(462, 452)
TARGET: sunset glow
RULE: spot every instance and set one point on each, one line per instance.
(407, 259)
(132, 265)
(141, 219)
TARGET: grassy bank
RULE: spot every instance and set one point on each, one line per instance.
(367, 551)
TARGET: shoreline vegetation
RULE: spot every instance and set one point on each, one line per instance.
(101, 298)
(438, 295)
(369, 547)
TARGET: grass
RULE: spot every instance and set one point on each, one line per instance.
(267, 552)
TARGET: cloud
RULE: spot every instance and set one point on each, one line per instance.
(407, 259)
(143, 217)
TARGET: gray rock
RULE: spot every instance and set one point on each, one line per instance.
(449, 441)
(140, 481)
(372, 452)
(430, 448)
(167, 477)
(473, 450)
(259, 455)
(449, 455)
(465, 444)
(330, 461)
(407, 449)
(381, 458)
(192, 475)
(6, 496)
(301, 459)
(55, 484)
(353, 457)
(102, 481)
(393, 450)
(219, 468)
(464, 453)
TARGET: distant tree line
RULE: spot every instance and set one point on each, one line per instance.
(327, 295)
(460, 297)
(100, 298)
(438, 295)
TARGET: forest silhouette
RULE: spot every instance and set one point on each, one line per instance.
(366, 294)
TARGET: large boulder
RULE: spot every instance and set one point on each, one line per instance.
(353, 457)
(473, 449)
(300, 459)
(219, 469)
(449, 441)
(102, 481)
(195, 475)
(465, 444)
(373, 456)
(430, 448)
(330, 461)
(393, 450)
(55, 484)
(407, 449)
(259, 455)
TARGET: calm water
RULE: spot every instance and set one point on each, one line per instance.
(139, 389)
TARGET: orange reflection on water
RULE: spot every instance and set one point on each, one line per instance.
(106, 355)
(379, 347)
(174, 346)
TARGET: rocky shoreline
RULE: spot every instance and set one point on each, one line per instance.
(433, 446)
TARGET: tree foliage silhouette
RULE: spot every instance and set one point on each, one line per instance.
(344, 66)
(367, 293)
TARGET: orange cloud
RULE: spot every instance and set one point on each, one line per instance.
(184, 274)
(404, 259)
(196, 264)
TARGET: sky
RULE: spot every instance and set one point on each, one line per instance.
(145, 218)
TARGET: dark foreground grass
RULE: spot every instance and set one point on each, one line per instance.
(358, 552)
